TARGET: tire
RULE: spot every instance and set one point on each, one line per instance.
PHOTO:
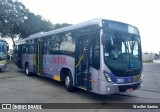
(27, 70)
(69, 82)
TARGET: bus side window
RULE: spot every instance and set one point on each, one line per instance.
(31, 49)
(45, 48)
(27, 50)
(96, 51)
(23, 49)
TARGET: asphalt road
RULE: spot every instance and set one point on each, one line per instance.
(16, 87)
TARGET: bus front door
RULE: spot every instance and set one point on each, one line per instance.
(82, 77)
(39, 57)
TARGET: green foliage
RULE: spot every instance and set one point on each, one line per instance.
(11, 14)
(16, 20)
(33, 24)
(57, 26)
(149, 61)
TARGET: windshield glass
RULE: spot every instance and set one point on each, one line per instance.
(122, 51)
(3, 47)
(3, 50)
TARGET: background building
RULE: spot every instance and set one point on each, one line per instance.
(150, 56)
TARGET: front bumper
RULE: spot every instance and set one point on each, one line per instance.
(107, 88)
(3, 65)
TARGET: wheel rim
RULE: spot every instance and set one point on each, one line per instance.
(67, 81)
(27, 70)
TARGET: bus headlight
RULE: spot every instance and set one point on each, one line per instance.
(108, 78)
(141, 77)
(2, 61)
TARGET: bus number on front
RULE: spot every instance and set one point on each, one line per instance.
(120, 80)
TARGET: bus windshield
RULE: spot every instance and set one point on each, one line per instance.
(122, 51)
(3, 49)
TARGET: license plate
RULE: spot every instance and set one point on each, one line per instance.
(129, 90)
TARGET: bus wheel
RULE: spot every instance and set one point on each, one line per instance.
(69, 82)
(27, 70)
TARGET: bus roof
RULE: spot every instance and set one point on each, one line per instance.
(97, 21)
(68, 28)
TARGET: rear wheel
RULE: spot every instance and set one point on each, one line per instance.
(27, 70)
(69, 82)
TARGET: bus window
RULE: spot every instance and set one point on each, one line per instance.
(31, 49)
(96, 51)
(53, 44)
(24, 49)
(68, 43)
(45, 48)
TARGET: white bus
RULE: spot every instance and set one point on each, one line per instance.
(100, 56)
(3, 53)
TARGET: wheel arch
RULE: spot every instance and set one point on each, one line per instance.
(63, 73)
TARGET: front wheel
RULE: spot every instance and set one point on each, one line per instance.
(69, 82)
(27, 70)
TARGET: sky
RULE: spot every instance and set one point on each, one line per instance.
(144, 14)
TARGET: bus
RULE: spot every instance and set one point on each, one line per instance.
(83, 56)
(3, 53)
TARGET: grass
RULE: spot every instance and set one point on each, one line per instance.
(149, 61)
(10, 62)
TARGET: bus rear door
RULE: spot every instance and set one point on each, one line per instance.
(38, 57)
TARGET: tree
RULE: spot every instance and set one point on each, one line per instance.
(33, 24)
(57, 26)
(11, 15)
(16, 20)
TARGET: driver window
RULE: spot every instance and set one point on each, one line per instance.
(96, 50)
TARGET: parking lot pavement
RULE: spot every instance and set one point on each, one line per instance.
(16, 87)
(151, 80)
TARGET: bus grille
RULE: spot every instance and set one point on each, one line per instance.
(124, 88)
